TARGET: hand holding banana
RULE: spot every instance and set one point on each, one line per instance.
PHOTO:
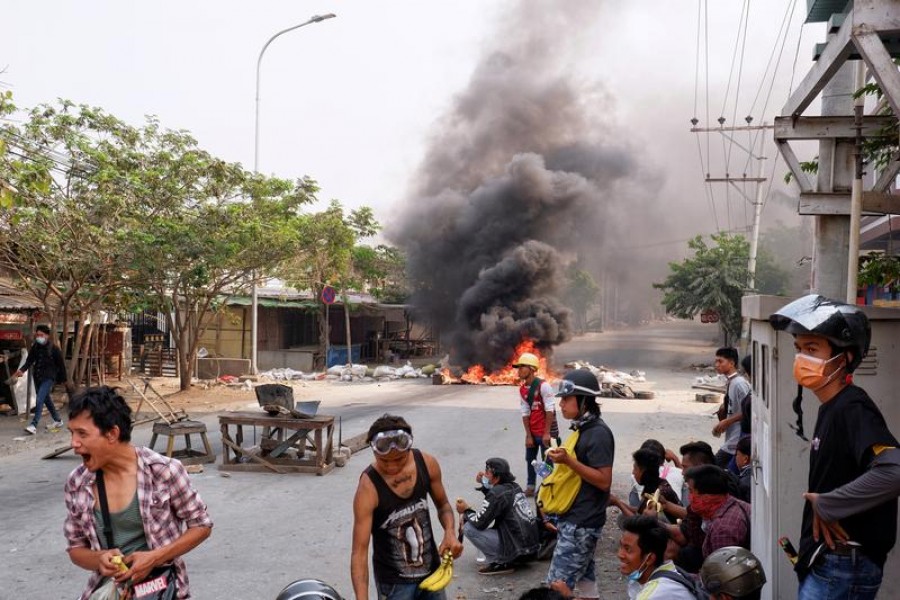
(441, 576)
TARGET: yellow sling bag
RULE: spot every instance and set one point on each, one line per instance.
(559, 488)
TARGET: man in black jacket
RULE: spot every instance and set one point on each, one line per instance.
(49, 369)
(514, 534)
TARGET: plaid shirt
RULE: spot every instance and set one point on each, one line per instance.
(730, 526)
(167, 504)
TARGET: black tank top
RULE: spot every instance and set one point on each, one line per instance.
(403, 548)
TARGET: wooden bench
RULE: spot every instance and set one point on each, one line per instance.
(310, 438)
(188, 455)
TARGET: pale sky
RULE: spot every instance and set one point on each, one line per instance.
(351, 101)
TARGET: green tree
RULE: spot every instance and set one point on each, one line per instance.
(59, 210)
(204, 229)
(580, 294)
(382, 271)
(105, 215)
(715, 278)
(326, 243)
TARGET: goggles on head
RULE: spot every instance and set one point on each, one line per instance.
(567, 388)
(395, 439)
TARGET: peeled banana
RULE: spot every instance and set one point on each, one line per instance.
(441, 576)
(117, 560)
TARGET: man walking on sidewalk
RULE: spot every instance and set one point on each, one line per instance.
(49, 369)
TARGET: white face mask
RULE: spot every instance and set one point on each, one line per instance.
(41, 340)
(485, 482)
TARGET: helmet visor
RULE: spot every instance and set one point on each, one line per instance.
(567, 388)
(396, 439)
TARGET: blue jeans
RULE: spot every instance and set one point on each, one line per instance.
(531, 454)
(42, 397)
(573, 559)
(841, 577)
(406, 591)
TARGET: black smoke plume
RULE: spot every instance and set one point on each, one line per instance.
(522, 177)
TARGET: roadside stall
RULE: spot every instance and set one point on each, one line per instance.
(18, 310)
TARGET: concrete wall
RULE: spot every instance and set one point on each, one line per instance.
(299, 360)
(211, 368)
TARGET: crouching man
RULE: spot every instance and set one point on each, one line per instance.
(505, 528)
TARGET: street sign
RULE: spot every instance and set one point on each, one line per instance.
(328, 295)
(709, 316)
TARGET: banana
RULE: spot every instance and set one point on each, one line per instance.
(117, 560)
(441, 576)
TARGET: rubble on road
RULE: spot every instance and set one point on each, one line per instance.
(615, 383)
(352, 372)
(713, 380)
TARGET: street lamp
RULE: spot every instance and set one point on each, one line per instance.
(254, 317)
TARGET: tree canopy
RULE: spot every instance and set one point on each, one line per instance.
(103, 215)
(714, 278)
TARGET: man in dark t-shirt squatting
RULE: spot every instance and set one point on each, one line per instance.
(850, 515)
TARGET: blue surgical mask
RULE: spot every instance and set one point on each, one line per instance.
(41, 340)
(485, 482)
(636, 574)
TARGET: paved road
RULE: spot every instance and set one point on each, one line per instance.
(273, 529)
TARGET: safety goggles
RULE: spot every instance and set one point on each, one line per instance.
(396, 439)
(567, 388)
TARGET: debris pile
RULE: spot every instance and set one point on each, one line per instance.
(711, 380)
(352, 372)
(615, 383)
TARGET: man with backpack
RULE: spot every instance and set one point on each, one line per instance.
(538, 414)
(641, 555)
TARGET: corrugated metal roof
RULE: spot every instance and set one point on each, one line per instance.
(273, 302)
(819, 11)
(12, 298)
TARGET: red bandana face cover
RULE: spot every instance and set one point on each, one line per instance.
(809, 371)
(706, 505)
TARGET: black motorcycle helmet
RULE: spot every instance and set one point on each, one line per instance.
(845, 326)
(582, 384)
(309, 589)
(732, 570)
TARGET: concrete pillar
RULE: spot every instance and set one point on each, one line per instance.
(836, 170)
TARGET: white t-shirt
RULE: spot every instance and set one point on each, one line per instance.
(546, 393)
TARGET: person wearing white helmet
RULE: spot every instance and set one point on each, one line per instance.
(850, 514)
(538, 414)
(732, 573)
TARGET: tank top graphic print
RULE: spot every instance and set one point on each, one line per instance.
(403, 547)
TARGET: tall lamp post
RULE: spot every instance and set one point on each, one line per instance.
(254, 317)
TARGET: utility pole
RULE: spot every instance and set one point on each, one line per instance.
(759, 180)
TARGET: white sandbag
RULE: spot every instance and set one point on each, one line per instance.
(384, 371)
(358, 370)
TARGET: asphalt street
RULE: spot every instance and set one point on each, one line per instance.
(272, 529)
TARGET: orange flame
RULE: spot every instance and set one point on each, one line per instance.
(508, 375)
